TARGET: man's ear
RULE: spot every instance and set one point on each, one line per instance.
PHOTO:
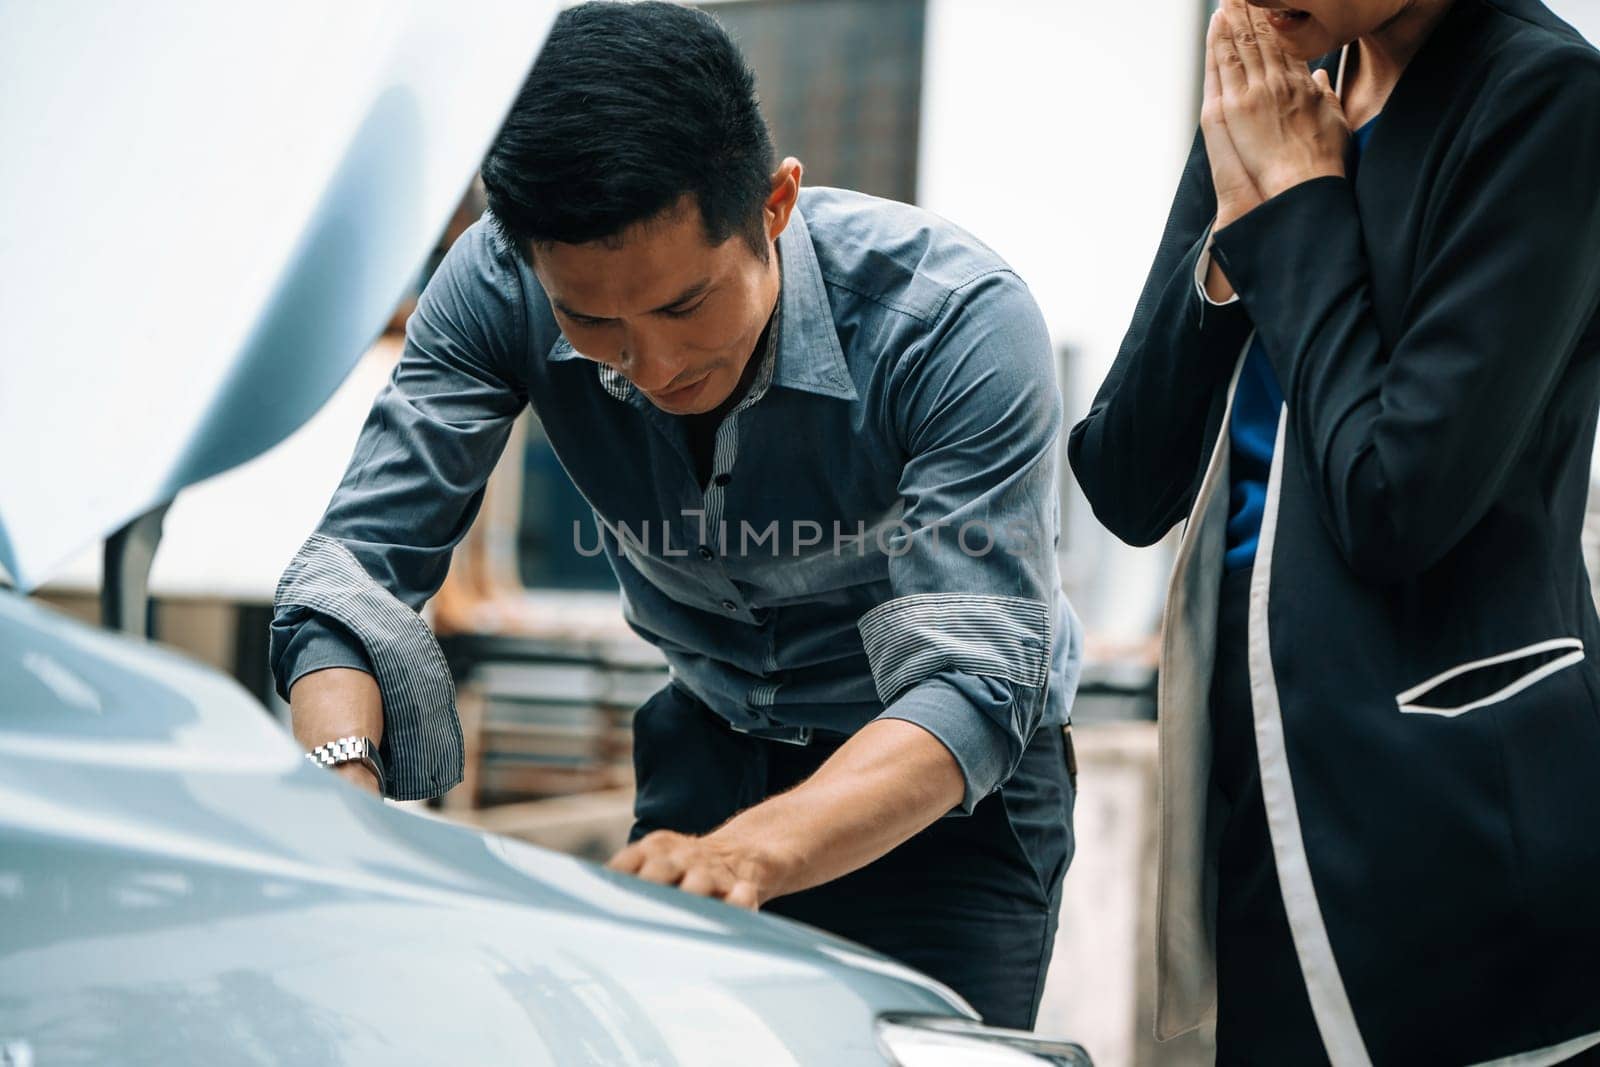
(784, 196)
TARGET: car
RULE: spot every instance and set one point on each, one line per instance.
(178, 885)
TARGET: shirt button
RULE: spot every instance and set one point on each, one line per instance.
(729, 605)
(722, 479)
(706, 553)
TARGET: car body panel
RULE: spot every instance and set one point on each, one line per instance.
(177, 884)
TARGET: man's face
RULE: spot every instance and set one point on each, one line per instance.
(1308, 29)
(678, 316)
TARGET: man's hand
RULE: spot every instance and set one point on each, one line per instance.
(338, 702)
(721, 865)
(1286, 126)
(889, 782)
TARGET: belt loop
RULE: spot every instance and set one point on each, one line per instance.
(758, 777)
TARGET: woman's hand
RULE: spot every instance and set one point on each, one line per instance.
(1237, 194)
(1284, 125)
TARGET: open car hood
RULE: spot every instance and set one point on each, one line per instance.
(209, 211)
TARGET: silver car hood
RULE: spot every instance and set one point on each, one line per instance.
(178, 885)
(209, 210)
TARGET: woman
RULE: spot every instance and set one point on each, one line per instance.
(1367, 369)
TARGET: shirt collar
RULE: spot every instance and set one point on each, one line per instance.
(808, 355)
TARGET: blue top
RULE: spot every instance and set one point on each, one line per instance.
(878, 537)
(1254, 428)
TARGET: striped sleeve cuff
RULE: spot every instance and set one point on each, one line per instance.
(422, 744)
(911, 638)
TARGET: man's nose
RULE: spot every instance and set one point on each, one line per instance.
(650, 363)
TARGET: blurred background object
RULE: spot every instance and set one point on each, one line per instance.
(199, 238)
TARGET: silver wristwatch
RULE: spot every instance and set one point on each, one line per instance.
(350, 750)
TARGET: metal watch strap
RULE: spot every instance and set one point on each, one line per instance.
(350, 750)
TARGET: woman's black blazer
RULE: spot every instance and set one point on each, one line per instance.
(1422, 636)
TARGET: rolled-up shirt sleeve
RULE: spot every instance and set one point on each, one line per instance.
(962, 647)
(351, 595)
(315, 644)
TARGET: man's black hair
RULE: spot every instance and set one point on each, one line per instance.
(629, 107)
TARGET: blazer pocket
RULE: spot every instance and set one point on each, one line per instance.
(1541, 660)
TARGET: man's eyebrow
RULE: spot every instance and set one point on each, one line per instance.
(570, 313)
(697, 289)
(684, 297)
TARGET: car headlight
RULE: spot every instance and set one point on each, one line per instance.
(943, 1041)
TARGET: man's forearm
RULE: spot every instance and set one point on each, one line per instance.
(338, 702)
(890, 781)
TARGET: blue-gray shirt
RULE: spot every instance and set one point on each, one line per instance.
(878, 538)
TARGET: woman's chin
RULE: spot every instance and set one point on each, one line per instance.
(1313, 44)
(1304, 39)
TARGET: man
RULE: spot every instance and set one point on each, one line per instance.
(818, 431)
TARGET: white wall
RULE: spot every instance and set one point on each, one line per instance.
(1583, 14)
(1055, 130)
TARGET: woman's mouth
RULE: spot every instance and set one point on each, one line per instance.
(1287, 18)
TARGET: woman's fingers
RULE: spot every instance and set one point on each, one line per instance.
(1330, 100)
(1236, 191)
(1274, 62)
(1212, 119)
(1325, 87)
(1230, 67)
(1242, 32)
(1213, 80)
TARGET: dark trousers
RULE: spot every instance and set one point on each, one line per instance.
(972, 901)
